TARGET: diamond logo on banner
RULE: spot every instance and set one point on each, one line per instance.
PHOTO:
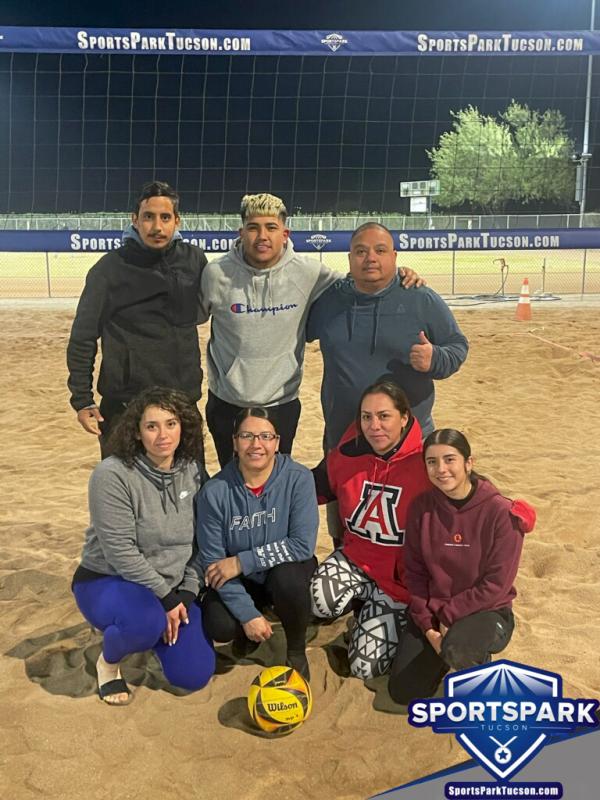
(334, 41)
(318, 241)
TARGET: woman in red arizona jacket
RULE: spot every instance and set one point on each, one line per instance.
(374, 473)
(463, 546)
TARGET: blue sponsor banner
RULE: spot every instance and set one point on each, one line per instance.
(324, 241)
(191, 41)
(515, 239)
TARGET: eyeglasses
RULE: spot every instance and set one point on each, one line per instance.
(264, 436)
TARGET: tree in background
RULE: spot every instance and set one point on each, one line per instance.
(486, 163)
(544, 150)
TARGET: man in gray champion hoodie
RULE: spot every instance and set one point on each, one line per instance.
(259, 295)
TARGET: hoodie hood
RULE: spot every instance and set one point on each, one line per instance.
(262, 280)
(166, 481)
(131, 234)
(357, 298)
(232, 474)
(354, 443)
(237, 252)
(518, 509)
(524, 514)
(484, 492)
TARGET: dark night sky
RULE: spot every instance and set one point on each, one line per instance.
(321, 153)
(308, 14)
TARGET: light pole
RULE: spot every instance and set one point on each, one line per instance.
(582, 168)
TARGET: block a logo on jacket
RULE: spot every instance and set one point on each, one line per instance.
(374, 517)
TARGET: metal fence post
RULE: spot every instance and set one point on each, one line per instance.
(583, 273)
(453, 272)
(48, 281)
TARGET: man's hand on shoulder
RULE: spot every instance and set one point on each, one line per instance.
(89, 418)
(411, 278)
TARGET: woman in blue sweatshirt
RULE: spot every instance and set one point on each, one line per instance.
(462, 550)
(257, 523)
(139, 575)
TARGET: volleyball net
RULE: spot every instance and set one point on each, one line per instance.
(331, 121)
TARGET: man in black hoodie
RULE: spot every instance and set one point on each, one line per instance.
(141, 301)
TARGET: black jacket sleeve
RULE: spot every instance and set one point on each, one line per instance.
(325, 493)
(83, 341)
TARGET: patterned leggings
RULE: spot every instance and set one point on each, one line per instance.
(374, 637)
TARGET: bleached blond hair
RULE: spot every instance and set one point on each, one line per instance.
(262, 205)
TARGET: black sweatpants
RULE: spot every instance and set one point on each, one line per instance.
(417, 670)
(220, 417)
(286, 588)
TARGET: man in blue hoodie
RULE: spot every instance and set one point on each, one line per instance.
(369, 326)
(142, 302)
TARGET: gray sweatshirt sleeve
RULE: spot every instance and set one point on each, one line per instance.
(204, 295)
(193, 574)
(450, 346)
(113, 520)
(326, 278)
(209, 532)
(302, 527)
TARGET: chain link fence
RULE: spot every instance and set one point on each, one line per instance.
(475, 272)
(307, 222)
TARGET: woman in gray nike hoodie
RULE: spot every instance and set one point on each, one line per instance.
(139, 573)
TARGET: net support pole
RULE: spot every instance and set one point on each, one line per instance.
(583, 273)
(453, 272)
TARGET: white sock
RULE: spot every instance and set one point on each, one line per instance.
(107, 672)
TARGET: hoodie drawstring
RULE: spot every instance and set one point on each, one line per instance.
(266, 301)
(351, 321)
(167, 482)
(270, 288)
(168, 491)
(375, 324)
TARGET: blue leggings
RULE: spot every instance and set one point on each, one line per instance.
(133, 620)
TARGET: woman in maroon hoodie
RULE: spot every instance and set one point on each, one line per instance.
(462, 551)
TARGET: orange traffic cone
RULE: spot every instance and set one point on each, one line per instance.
(524, 305)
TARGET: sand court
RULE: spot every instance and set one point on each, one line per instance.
(527, 399)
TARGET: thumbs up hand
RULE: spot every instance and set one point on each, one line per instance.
(421, 354)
